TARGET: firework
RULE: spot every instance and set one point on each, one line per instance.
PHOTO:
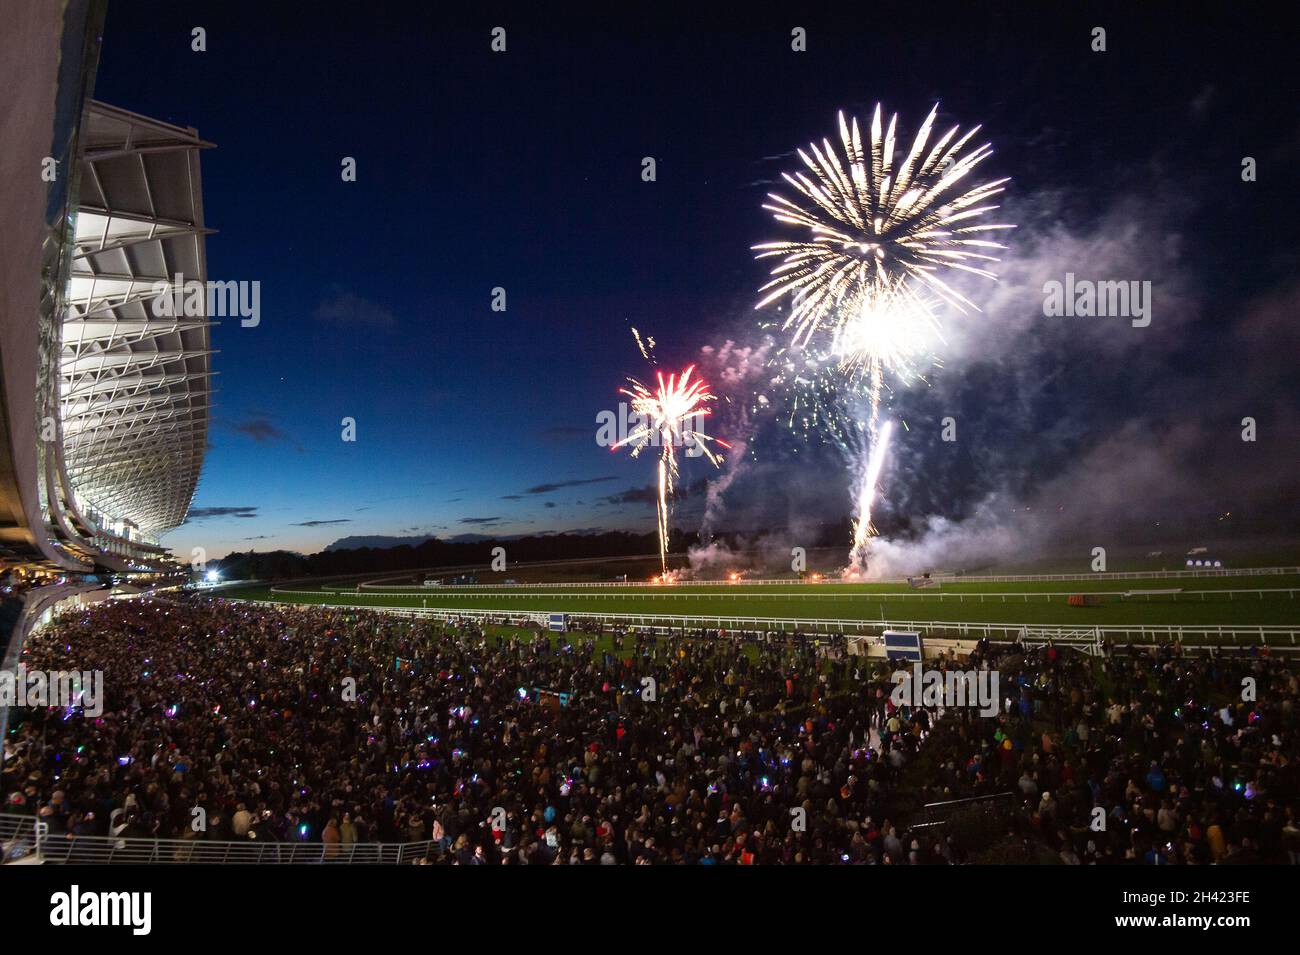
(872, 222)
(866, 499)
(834, 392)
(871, 266)
(670, 413)
(803, 385)
(892, 328)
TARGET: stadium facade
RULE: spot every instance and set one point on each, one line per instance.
(105, 391)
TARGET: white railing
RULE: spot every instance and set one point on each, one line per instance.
(1126, 574)
(673, 593)
(1282, 637)
(24, 838)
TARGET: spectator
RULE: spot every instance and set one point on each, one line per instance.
(297, 724)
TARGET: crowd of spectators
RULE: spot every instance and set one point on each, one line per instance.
(244, 722)
(1151, 755)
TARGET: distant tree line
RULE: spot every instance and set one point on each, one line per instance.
(282, 565)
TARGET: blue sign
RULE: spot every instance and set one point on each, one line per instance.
(902, 646)
(559, 623)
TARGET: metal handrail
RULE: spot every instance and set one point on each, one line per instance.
(22, 837)
(1279, 636)
(686, 593)
(940, 812)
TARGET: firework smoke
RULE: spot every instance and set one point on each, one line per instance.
(733, 368)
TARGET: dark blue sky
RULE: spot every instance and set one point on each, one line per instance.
(522, 170)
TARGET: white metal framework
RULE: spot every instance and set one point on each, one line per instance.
(134, 381)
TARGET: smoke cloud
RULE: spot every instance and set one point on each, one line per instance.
(1070, 432)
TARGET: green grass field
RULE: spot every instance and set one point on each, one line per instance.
(1028, 602)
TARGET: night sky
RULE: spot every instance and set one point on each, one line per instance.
(522, 170)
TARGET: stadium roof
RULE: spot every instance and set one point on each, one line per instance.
(134, 385)
(104, 398)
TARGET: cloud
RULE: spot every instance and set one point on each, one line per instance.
(633, 495)
(206, 513)
(343, 520)
(650, 493)
(345, 308)
(548, 488)
(481, 520)
(260, 430)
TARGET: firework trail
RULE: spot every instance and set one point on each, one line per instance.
(880, 238)
(866, 499)
(669, 411)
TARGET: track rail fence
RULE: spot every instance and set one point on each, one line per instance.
(26, 839)
(1219, 635)
(670, 593)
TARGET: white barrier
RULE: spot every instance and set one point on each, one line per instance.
(473, 592)
(1282, 637)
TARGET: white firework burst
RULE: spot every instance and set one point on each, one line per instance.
(873, 222)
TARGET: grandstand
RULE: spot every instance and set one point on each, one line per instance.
(103, 400)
